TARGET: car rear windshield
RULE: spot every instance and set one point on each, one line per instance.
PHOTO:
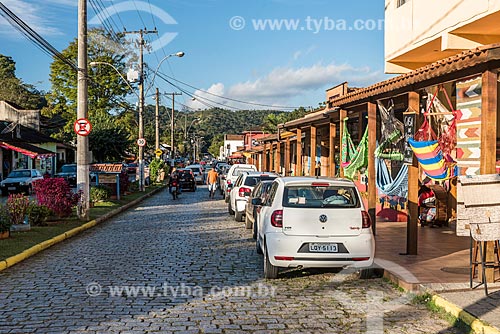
(239, 171)
(253, 180)
(309, 196)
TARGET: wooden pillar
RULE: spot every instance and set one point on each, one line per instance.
(312, 167)
(277, 158)
(372, 186)
(488, 144)
(331, 152)
(298, 165)
(264, 158)
(413, 185)
(287, 157)
(343, 114)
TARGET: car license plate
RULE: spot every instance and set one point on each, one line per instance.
(323, 248)
(11, 188)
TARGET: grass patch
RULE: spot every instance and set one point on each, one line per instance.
(20, 241)
(426, 300)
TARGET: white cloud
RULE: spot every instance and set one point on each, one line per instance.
(34, 15)
(287, 85)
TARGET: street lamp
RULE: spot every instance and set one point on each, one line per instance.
(95, 63)
(179, 54)
(189, 128)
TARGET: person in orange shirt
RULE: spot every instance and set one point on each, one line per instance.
(212, 182)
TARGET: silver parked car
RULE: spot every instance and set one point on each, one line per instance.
(20, 180)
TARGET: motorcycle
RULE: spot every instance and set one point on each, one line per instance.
(427, 206)
(174, 190)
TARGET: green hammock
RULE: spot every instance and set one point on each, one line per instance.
(359, 159)
(347, 148)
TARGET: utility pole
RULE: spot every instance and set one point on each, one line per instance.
(172, 125)
(157, 120)
(141, 100)
(82, 142)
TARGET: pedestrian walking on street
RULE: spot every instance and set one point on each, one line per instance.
(212, 182)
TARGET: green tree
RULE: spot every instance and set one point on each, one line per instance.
(12, 89)
(217, 142)
(108, 140)
(107, 92)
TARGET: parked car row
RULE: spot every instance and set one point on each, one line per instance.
(304, 222)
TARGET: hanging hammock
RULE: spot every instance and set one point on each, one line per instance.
(347, 147)
(392, 129)
(389, 186)
(360, 157)
(428, 148)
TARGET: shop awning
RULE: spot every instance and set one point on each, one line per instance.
(236, 155)
(32, 151)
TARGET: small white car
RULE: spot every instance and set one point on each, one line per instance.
(231, 176)
(20, 180)
(240, 191)
(309, 222)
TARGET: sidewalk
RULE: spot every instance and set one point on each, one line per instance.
(440, 268)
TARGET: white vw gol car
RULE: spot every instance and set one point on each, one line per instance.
(309, 222)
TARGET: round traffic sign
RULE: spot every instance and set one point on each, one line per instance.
(141, 142)
(82, 127)
(158, 152)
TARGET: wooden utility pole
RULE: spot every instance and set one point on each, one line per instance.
(157, 120)
(172, 126)
(141, 34)
(82, 143)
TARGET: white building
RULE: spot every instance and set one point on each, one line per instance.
(231, 144)
(420, 32)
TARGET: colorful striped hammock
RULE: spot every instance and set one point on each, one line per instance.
(431, 159)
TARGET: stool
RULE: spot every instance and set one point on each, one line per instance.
(481, 234)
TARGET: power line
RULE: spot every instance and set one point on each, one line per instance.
(139, 13)
(33, 36)
(118, 14)
(228, 98)
(152, 16)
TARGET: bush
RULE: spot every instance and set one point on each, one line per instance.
(38, 214)
(5, 222)
(17, 206)
(99, 193)
(155, 168)
(56, 195)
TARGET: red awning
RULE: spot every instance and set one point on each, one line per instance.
(32, 151)
(236, 155)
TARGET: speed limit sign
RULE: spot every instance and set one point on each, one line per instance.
(141, 142)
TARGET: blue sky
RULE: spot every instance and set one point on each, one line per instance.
(231, 50)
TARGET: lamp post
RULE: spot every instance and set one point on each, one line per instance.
(141, 103)
(189, 128)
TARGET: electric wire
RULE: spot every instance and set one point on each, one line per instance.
(139, 13)
(117, 14)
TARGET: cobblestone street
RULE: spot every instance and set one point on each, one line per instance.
(186, 266)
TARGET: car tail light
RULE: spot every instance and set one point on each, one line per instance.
(367, 221)
(277, 218)
(284, 258)
(229, 181)
(360, 258)
(244, 191)
(320, 184)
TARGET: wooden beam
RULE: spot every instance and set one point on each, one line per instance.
(488, 144)
(488, 123)
(264, 158)
(413, 186)
(343, 114)
(312, 167)
(298, 165)
(287, 157)
(331, 153)
(372, 185)
(277, 158)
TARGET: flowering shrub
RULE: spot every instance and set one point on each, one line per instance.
(38, 214)
(17, 206)
(99, 193)
(56, 194)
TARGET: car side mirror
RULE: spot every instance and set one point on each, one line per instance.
(256, 201)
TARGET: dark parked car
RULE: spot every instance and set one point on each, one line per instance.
(68, 172)
(186, 179)
(20, 180)
(260, 191)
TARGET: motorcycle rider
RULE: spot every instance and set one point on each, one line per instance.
(174, 178)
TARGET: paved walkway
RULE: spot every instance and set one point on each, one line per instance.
(441, 266)
(186, 266)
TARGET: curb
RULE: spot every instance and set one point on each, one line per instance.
(476, 324)
(10, 261)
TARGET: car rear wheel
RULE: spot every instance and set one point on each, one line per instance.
(270, 271)
(30, 190)
(238, 216)
(230, 209)
(248, 223)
